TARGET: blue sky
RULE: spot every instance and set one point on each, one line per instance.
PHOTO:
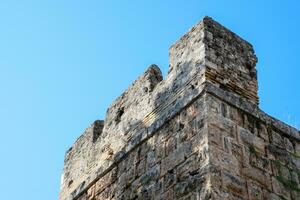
(63, 62)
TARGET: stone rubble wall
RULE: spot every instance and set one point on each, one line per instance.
(197, 134)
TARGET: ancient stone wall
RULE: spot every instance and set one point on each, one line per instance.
(197, 134)
(252, 155)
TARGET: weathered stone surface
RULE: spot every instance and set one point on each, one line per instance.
(197, 134)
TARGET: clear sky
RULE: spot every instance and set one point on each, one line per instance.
(63, 62)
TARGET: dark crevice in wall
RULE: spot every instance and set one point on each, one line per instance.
(97, 129)
(119, 114)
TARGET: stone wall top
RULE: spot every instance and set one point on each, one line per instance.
(229, 60)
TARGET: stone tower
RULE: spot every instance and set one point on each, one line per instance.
(198, 134)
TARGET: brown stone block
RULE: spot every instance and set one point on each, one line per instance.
(169, 195)
(227, 196)
(257, 175)
(234, 184)
(224, 160)
(172, 160)
(280, 169)
(288, 145)
(150, 160)
(222, 126)
(144, 149)
(237, 151)
(267, 195)
(91, 192)
(213, 105)
(297, 148)
(251, 140)
(255, 192)
(295, 195)
(280, 189)
(197, 124)
(187, 186)
(235, 115)
(263, 131)
(159, 150)
(106, 180)
(183, 116)
(215, 136)
(256, 159)
(250, 123)
(279, 154)
(276, 138)
(215, 177)
(83, 197)
(191, 112)
(295, 161)
(140, 167)
(197, 144)
(169, 180)
(190, 165)
(170, 145)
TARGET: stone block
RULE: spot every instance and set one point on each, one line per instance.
(215, 136)
(172, 160)
(280, 189)
(150, 175)
(255, 192)
(251, 140)
(259, 161)
(295, 194)
(297, 148)
(170, 145)
(188, 185)
(276, 139)
(169, 195)
(150, 160)
(237, 151)
(279, 154)
(223, 160)
(106, 180)
(91, 192)
(235, 115)
(295, 161)
(234, 184)
(288, 145)
(159, 150)
(257, 175)
(267, 195)
(140, 167)
(169, 180)
(280, 169)
(222, 125)
(263, 131)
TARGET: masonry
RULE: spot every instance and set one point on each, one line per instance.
(197, 134)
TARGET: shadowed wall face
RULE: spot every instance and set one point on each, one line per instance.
(198, 134)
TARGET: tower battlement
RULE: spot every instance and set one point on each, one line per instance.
(197, 134)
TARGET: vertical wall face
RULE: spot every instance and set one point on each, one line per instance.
(198, 134)
(252, 155)
(170, 164)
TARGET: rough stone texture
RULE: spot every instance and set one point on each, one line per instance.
(198, 134)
